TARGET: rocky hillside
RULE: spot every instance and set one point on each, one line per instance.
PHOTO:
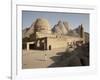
(62, 27)
(28, 31)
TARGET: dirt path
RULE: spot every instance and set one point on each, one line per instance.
(38, 59)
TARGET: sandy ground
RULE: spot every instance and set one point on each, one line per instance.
(38, 58)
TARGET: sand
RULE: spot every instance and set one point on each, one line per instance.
(39, 58)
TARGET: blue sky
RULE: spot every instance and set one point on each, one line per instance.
(75, 19)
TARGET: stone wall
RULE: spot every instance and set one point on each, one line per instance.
(61, 42)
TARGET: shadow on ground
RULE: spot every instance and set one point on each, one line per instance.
(78, 57)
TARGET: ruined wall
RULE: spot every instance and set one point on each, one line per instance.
(61, 42)
(41, 35)
(56, 43)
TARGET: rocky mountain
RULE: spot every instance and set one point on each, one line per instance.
(76, 33)
(61, 28)
(28, 31)
(73, 33)
(86, 37)
(65, 29)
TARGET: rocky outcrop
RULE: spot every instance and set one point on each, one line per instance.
(61, 28)
(42, 25)
(28, 31)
